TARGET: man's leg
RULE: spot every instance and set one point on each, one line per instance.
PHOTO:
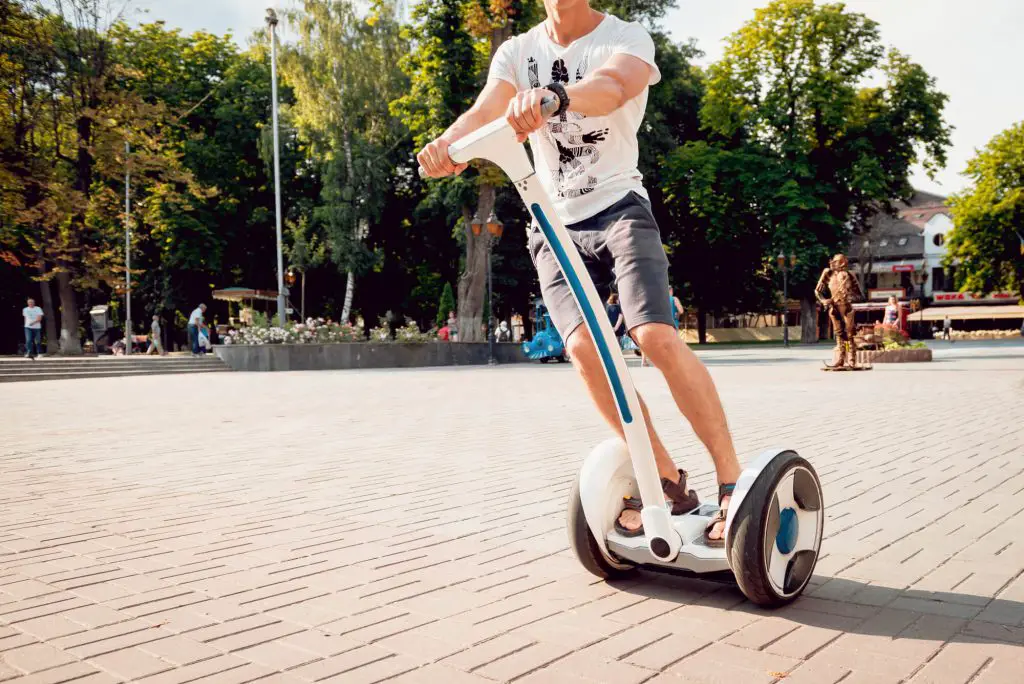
(584, 357)
(28, 343)
(696, 397)
(632, 245)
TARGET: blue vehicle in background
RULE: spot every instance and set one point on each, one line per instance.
(546, 343)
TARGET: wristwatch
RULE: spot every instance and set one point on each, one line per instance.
(563, 99)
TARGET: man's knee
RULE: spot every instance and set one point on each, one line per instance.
(659, 342)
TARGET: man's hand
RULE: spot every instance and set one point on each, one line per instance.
(523, 112)
(826, 303)
(436, 163)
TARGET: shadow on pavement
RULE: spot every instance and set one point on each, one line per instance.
(851, 606)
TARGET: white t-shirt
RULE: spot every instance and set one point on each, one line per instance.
(196, 318)
(31, 314)
(586, 164)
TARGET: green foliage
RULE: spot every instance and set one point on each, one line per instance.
(343, 69)
(446, 304)
(720, 243)
(987, 241)
(793, 86)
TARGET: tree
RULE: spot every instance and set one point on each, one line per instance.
(793, 84)
(77, 117)
(454, 43)
(343, 68)
(721, 243)
(446, 304)
(986, 245)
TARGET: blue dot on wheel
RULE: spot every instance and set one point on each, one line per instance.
(789, 528)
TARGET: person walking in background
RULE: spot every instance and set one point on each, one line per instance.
(892, 312)
(33, 319)
(195, 321)
(453, 327)
(155, 344)
(947, 329)
(615, 317)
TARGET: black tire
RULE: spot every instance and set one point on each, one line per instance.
(562, 359)
(746, 551)
(583, 543)
(545, 359)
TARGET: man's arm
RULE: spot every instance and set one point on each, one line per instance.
(489, 105)
(618, 81)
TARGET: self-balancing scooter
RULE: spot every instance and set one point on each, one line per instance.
(775, 518)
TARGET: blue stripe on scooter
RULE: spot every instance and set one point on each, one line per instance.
(587, 310)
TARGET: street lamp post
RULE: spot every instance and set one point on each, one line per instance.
(921, 278)
(781, 260)
(494, 230)
(127, 250)
(271, 26)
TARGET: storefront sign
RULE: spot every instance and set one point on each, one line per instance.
(885, 293)
(903, 268)
(996, 297)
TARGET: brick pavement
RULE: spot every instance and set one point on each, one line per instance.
(408, 526)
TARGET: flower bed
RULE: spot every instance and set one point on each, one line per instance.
(313, 331)
(979, 334)
(900, 355)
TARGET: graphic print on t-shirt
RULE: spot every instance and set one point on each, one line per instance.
(577, 151)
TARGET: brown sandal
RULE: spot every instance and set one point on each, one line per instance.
(724, 490)
(683, 501)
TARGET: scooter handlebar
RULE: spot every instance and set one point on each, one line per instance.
(548, 106)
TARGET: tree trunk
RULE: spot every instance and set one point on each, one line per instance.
(702, 326)
(350, 281)
(350, 287)
(49, 317)
(808, 320)
(70, 343)
(473, 281)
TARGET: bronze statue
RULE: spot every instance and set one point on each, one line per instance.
(843, 290)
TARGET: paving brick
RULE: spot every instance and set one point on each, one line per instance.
(277, 656)
(487, 652)
(379, 670)
(93, 616)
(761, 633)
(420, 647)
(435, 674)
(35, 657)
(253, 637)
(756, 664)
(76, 671)
(203, 670)
(180, 650)
(594, 669)
(524, 661)
(131, 663)
(340, 664)
(50, 627)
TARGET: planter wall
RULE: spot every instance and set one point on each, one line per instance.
(894, 356)
(302, 357)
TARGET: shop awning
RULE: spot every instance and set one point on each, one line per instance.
(243, 294)
(964, 313)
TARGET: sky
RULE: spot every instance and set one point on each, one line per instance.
(971, 47)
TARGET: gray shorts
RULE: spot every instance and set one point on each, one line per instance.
(620, 245)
